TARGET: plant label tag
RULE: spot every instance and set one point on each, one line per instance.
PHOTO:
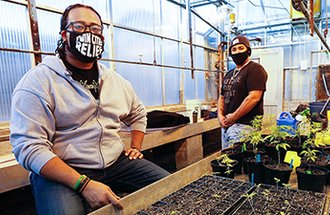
(308, 172)
(292, 156)
(244, 147)
(258, 158)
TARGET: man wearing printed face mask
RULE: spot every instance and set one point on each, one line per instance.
(242, 93)
(66, 114)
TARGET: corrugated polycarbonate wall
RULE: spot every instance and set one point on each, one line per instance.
(151, 32)
(14, 34)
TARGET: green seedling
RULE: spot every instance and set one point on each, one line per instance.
(286, 187)
(277, 147)
(277, 181)
(228, 171)
(266, 193)
(289, 205)
(249, 199)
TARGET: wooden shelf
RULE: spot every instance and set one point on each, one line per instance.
(189, 151)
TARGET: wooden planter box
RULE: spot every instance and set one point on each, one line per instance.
(147, 196)
(193, 190)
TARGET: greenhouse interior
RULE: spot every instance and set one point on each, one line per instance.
(164, 107)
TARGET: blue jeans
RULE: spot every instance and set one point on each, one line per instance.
(233, 134)
(124, 175)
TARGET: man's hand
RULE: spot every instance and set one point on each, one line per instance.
(98, 195)
(222, 121)
(230, 119)
(133, 153)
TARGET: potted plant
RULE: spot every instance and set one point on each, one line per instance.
(278, 170)
(324, 161)
(254, 158)
(278, 134)
(311, 177)
(223, 166)
(301, 133)
(235, 154)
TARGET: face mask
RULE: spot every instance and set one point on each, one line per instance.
(240, 58)
(87, 47)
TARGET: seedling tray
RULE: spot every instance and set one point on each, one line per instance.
(268, 199)
(207, 195)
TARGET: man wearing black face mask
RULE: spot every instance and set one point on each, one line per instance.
(66, 114)
(242, 93)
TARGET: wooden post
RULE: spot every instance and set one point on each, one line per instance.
(188, 151)
(34, 30)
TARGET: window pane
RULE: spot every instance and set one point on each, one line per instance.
(146, 81)
(172, 76)
(142, 14)
(199, 75)
(171, 23)
(133, 46)
(58, 4)
(48, 36)
(100, 6)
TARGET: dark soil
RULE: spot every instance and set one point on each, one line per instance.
(274, 200)
(218, 195)
(322, 161)
(207, 195)
(281, 166)
(313, 171)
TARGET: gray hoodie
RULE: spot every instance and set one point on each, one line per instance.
(54, 115)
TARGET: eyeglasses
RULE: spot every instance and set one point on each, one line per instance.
(80, 27)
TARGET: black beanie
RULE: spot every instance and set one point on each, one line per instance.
(240, 40)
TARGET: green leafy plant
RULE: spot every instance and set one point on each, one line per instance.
(310, 141)
(277, 138)
(303, 128)
(224, 160)
(228, 171)
(310, 155)
(278, 134)
(309, 152)
(253, 136)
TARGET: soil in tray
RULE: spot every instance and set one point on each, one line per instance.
(207, 195)
(273, 200)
